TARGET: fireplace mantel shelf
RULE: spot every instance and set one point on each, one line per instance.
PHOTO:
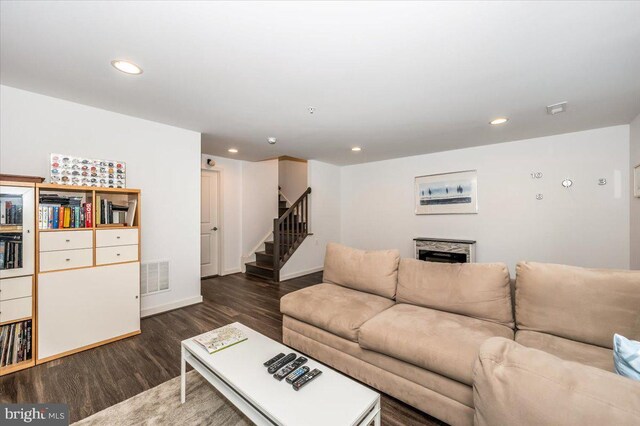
(445, 240)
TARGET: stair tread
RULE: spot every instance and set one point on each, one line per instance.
(264, 253)
(257, 265)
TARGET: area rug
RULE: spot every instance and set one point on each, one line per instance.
(161, 406)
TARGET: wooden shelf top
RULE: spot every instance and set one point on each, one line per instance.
(88, 229)
(62, 188)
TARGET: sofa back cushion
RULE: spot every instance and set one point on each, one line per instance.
(374, 272)
(478, 290)
(585, 305)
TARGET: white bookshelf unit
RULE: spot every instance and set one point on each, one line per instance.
(17, 288)
(87, 277)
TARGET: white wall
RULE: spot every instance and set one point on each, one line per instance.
(231, 194)
(162, 161)
(292, 178)
(324, 218)
(259, 202)
(585, 225)
(635, 202)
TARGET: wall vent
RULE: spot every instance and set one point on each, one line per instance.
(154, 277)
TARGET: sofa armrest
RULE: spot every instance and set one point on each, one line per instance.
(516, 385)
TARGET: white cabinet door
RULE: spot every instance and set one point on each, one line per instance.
(82, 307)
(17, 227)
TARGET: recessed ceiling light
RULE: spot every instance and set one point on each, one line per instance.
(500, 120)
(356, 149)
(272, 140)
(233, 150)
(126, 67)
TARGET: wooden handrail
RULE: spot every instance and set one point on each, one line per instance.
(288, 230)
(294, 205)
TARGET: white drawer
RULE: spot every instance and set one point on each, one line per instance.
(15, 288)
(106, 255)
(14, 309)
(65, 259)
(116, 237)
(65, 240)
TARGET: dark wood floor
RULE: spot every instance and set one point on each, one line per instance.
(96, 379)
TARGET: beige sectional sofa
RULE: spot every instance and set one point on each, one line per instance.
(414, 329)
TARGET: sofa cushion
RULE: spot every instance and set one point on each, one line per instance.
(566, 349)
(585, 305)
(428, 379)
(375, 272)
(336, 309)
(516, 385)
(478, 290)
(441, 342)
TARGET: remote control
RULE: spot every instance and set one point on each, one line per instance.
(290, 368)
(291, 378)
(274, 359)
(306, 379)
(281, 363)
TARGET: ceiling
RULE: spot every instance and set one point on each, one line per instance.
(395, 78)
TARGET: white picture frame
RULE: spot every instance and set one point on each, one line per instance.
(79, 171)
(447, 193)
(636, 181)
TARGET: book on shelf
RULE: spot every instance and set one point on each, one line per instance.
(220, 338)
(109, 213)
(131, 212)
(67, 213)
(15, 343)
(10, 251)
(10, 213)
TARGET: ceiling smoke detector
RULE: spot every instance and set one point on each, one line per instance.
(271, 140)
(557, 108)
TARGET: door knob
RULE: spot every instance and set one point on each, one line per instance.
(215, 228)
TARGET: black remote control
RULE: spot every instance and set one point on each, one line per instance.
(306, 379)
(290, 368)
(281, 363)
(291, 378)
(274, 359)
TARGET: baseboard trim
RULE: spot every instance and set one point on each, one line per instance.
(170, 306)
(293, 275)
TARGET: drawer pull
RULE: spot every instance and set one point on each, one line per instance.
(67, 241)
(117, 254)
(67, 260)
(118, 237)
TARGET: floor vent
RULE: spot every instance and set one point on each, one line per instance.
(154, 277)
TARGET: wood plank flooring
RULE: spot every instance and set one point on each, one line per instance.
(93, 380)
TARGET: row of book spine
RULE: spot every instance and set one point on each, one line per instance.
(61, 217)
(10, 214)
(108, 213)
(15, 343)
(10, 252)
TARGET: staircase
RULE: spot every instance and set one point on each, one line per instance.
(289, 231)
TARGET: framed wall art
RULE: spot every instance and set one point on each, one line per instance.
(447, 193)
(70, 170)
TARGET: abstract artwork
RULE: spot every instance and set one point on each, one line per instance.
(447, 193)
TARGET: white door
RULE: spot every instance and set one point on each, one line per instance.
(209, 224)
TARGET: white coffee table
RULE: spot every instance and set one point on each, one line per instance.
(237, 373)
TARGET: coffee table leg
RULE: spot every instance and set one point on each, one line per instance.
(183, 377)
(377, 421)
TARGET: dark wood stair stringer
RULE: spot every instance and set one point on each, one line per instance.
(289, 231)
